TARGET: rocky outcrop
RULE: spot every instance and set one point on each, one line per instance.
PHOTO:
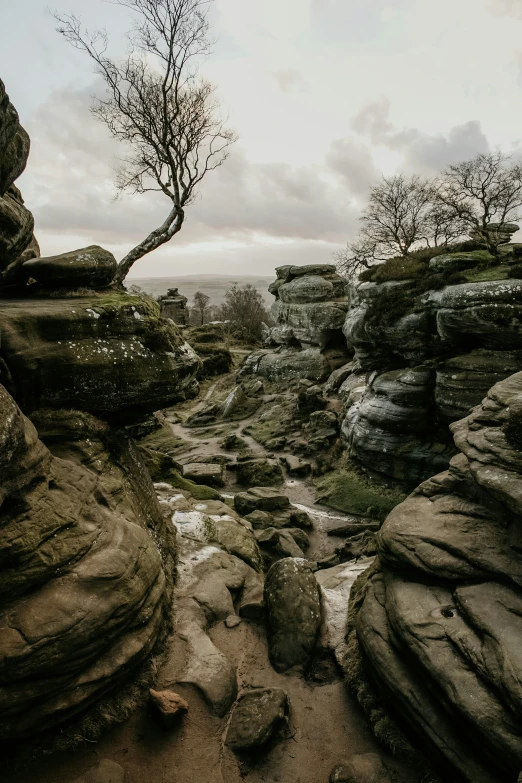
(440, 623)
(85, 589)
(429, 347)
(110, 355)
(310, 310)
(16, 222)
(173, 305)
(89, 267)
(86, 557)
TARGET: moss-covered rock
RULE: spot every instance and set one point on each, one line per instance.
(89, 267)
(109, 354)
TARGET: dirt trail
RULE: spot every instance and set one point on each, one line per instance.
(326, 724)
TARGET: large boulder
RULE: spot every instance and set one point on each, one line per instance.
(440, 626)
(312, 323)
(85, 589)
(293, 605)
(392, 429)
(89, 267)
(288, 365)
(16, 233)
(111, 355)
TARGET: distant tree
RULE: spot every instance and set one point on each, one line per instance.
(484, 194)
(201, 306)
(158, 106)
(245, 309)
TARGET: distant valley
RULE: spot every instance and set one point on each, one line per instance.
(214, 286)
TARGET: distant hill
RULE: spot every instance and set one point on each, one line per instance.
(213, 286)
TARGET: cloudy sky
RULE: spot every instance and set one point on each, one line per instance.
(325, 95)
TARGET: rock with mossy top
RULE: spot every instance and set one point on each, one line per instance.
(89, 267)
(109, 354)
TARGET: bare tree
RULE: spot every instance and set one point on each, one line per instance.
(246, 311)
(157, 104)
(201, 305)
(485, 194)
(403, 214)
(355, 257)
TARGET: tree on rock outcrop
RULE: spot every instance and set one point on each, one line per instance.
(485, 194)
(402, 215)
(159, 106)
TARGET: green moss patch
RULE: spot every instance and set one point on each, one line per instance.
(162, 467)
(481, 275)
(276, 420)
(348, 490)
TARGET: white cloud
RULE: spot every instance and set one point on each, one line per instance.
(428, 83)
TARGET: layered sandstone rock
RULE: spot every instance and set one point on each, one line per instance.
(84, 588)
(174, 305)
(310, 310)
(16, 221)
(440, 623)
(429, 355)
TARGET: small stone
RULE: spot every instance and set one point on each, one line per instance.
(201, 473)
(259, 519)
(257, 715)
(296, 466)
(232, 621)
(170, 706)
(106, 771)
(262, 498)
(361, 768)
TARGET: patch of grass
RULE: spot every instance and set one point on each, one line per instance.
(498, 272)
(276, 420)
(348, 490)
(399, 269)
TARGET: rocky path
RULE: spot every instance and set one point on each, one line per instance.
(325, 725)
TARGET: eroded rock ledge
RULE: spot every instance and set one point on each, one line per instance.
(440, 626)
(307, 341)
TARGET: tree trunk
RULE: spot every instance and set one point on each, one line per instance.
(156, 238)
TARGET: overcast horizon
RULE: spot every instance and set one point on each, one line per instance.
(325, 96)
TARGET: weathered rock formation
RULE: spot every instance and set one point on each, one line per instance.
(310, 309)
(85, 591)
(173, 305)
(427, 349)
(440, 625)
(16, 221)
(86, 556)
(112, 354)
